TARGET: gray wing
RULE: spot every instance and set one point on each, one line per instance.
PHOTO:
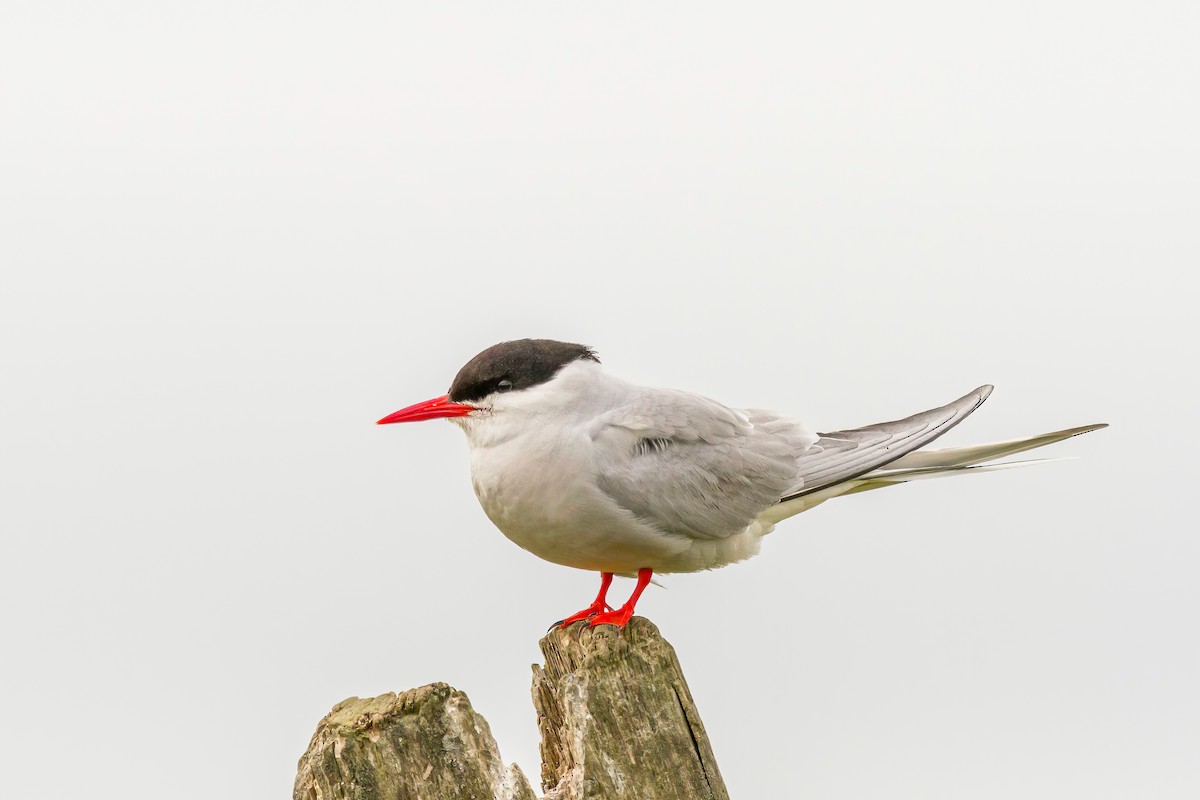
(693, 467)
(843, 455)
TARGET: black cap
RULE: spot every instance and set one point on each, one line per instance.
(511, 366)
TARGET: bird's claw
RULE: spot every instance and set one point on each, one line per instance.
(580, 616)
(619, 617)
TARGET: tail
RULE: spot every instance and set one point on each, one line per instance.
(961, 460)
(837, 463)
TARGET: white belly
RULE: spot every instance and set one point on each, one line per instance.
(545, 499)
(549, 506)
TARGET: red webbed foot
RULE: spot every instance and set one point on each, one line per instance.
(598, 607)
(621, 616)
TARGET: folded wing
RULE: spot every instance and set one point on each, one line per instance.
(692, 467)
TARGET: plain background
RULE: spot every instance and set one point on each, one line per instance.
(232, 237)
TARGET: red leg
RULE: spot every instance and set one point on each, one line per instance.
(598, 605)
(621, 616)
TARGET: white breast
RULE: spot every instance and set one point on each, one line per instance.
(534, 469)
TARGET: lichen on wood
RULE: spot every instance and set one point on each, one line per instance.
(423, 744)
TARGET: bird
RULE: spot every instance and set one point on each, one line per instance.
(586, 470)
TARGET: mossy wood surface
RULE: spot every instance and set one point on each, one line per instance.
(423, 744)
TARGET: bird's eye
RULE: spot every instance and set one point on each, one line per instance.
(504, 385)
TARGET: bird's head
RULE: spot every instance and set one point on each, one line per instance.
(498, 380)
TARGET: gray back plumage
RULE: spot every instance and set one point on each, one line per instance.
(692, 467)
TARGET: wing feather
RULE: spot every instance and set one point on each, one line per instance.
(692, 467)
(843, 455)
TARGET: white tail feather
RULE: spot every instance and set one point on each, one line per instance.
(893, 476)
(977, 454)
(924, 464)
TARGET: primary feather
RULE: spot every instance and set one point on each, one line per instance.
(840, 456)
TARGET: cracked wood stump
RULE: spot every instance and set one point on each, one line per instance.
(615, 716)
(617, 719)
(423, 744)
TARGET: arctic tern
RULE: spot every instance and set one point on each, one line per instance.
(586, 470)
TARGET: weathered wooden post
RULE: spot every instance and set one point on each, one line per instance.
(614, 712)
(423, 744)
(617, 719)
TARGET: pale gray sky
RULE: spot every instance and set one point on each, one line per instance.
(232, 238)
